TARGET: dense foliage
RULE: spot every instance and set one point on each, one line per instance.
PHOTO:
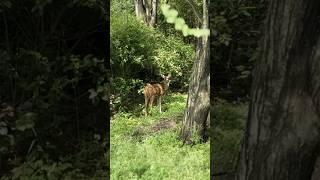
(180, 24)
(235, 29)
(139, 54)
(149, 147)
(54, 87)
(53, 91)
(229, 120)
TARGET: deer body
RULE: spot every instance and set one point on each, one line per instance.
(152, 91)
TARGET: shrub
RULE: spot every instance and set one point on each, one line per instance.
(52, 96)
(227, 132)
(139, 54)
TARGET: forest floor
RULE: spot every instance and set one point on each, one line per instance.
(149, 148)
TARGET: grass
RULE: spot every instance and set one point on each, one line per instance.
(229, 120)
(148, 147)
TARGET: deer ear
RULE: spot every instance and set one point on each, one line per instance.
(162, 76)
(169, 75)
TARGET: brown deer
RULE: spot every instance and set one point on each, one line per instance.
(151, 91)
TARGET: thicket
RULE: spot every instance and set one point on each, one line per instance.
(53, 89)
(139, 54)
(235, 33)
(229, 120)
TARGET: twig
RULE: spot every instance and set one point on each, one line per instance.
(195, 11)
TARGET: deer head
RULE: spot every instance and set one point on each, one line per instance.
(166, 79)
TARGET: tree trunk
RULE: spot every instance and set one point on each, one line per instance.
(282, 135)
(153, 18)
(198, 104)
(146, 12)
(140, 10)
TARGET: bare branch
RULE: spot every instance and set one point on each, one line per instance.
(194, 10)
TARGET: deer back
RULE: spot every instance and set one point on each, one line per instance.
(157, 89)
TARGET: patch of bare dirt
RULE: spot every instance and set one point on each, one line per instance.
(163, 124)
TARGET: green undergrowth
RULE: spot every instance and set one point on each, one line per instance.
(149, 148)
(229, 122)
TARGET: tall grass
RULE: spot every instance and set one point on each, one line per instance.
(139, 151)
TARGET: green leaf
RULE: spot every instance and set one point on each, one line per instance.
(197, 33)
(93, 93)
(165, 9)
(185, 30)
(179, 24)
(246, 13)
(214, 32)
(240, 68)
(172, 17)
(26, 121)
(171, 20)
(172, 13)
(246, 72)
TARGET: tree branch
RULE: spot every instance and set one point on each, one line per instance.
(191, 3)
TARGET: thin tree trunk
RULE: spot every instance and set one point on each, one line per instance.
(198, 104)
(140, 10)
(153, 19)
(282, 138)
(146, 10)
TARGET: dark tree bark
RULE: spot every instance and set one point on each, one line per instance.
(196, 117)
(282, 135)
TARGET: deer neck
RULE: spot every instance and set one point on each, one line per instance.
(164, 86)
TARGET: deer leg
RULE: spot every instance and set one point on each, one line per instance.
(146, 105)
(159, 102)
(151, 102)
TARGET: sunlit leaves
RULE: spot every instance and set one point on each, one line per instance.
(171, 14)
(180, 24)
(165, 8)
(185, 30)
(134, 45)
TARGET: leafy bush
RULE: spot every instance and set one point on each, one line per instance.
(68, 167)
(54, 82)
(229, 116)
(236, 30)
(44, 89)
(136, 48)
(125, 91)
(139, 54)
